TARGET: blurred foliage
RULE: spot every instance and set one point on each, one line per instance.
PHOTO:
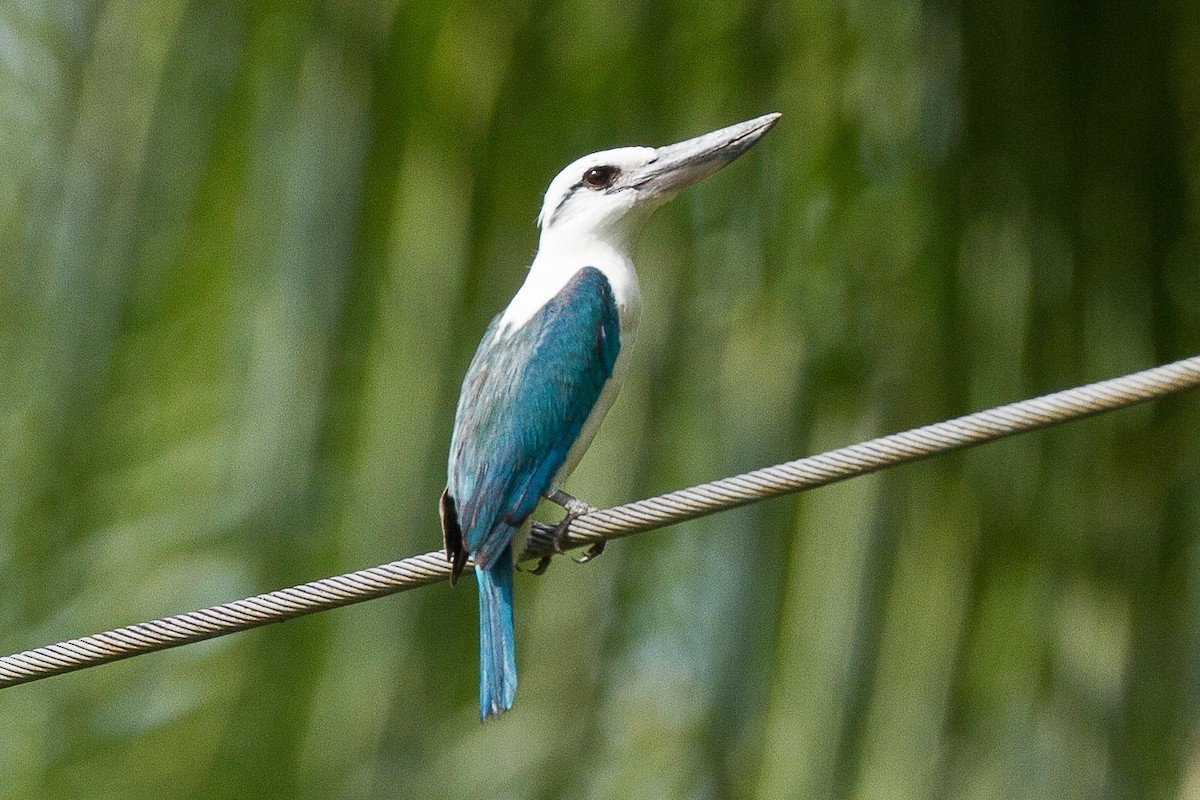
(247, 249)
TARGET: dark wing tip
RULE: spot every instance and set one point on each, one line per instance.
(452, 537)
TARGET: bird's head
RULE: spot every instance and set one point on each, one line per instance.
(605, 195)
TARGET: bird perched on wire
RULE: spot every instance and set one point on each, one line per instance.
(549, 367)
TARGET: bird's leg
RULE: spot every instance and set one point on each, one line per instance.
(575, 508)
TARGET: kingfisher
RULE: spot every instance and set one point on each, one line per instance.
(551, 364)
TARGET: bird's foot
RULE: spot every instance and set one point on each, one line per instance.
(575, 509)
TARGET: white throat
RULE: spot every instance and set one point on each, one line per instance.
(558, 258)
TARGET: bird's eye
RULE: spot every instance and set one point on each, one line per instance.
(600, 177)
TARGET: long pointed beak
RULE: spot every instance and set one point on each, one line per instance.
(677, 166)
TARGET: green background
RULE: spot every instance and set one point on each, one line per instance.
(247, 249)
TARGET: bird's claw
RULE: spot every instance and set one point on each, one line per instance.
(541, 567)
(590, 553)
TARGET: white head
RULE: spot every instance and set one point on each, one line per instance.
(606, 195)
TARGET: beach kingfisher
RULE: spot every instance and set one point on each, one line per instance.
(550, 366)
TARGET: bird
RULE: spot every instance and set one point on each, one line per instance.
(550, 365)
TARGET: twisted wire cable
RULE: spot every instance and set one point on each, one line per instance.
(603, 524)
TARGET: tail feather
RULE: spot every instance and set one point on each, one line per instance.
(497, 647)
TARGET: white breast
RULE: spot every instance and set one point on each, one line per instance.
(554, 267)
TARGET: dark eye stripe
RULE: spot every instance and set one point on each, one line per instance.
(610, 175)
(563, 203)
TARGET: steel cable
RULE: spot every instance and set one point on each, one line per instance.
(610, 523)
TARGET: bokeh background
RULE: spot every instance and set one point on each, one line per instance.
(247, 249)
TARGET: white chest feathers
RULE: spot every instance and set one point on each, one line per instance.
(551, 271)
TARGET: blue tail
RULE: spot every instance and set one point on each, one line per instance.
(497, 647)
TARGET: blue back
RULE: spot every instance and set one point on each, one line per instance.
(524, 401)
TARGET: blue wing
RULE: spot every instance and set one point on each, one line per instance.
(524, 401)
